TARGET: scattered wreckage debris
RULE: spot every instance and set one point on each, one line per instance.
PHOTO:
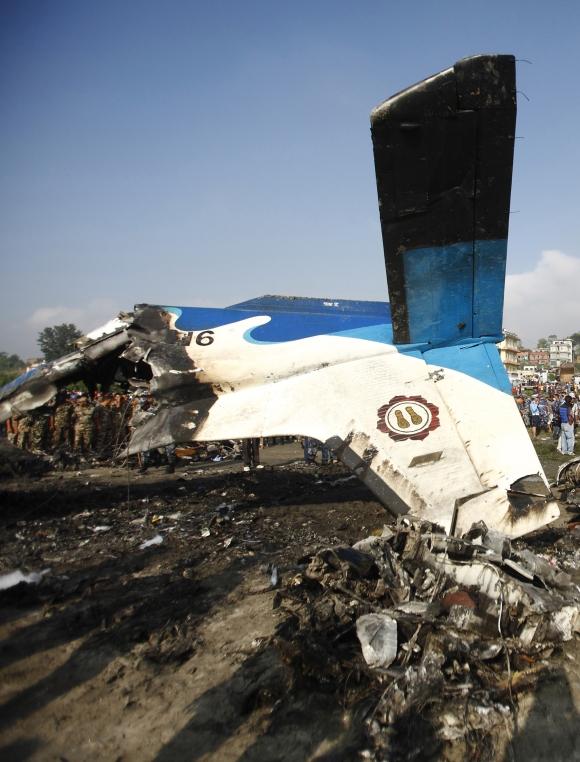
(567, 484)
(569, 473)
(15, 462)
(434, 635)
(442, 662)
(18, 577)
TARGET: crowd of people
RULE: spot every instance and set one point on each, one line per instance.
(552, 408)
(76, 422)
(99, 425)
(76, 425)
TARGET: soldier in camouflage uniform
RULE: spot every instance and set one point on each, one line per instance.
(84, 425)
(104, 426)
(62, 424)
(40, 429)
(23, 434)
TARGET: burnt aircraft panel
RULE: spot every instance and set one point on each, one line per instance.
(443, 159)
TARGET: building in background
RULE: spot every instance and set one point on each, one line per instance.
(561, 352)
(524, 356)
(508, 351)
(539, 357)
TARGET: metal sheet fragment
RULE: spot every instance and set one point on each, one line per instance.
(377, 634)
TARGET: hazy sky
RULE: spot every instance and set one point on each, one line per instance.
(202, 153)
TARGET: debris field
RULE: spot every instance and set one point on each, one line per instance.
(276, 614)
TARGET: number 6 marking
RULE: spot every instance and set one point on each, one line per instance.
(204, 339)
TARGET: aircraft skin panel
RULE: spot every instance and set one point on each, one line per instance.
(438, 292)
(236, 358)
(288, 325)
(455, 291)
(217, 383)
(258, 329)
(12, 386)
(478, 359)
(305, 305)
(488, 287)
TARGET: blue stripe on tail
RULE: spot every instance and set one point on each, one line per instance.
(455, 291)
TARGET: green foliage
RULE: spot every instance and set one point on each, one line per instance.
(58, 340)
(10, 362)
(6, 376)
(11, 366)
(542, 344)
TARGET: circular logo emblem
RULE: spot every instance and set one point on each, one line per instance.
(408, 418)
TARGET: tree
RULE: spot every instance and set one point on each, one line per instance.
(542, 343)
(58, 340)
(10, 362)
(10, 367)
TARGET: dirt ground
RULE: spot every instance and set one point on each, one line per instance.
(175, 651)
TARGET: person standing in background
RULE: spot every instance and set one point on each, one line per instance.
(567, 420)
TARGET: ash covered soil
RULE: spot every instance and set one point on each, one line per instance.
(197, 645)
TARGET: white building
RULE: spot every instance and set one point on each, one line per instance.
(508, 351)
(528, 371)
(561, 351)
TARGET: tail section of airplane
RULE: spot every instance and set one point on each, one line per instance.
(412, 396)
(443, 156)
(429, 430)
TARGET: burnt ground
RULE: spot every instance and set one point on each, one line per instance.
(183, 650)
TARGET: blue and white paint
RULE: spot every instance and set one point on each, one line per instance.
(326, 373)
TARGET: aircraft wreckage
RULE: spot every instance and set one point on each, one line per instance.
(411, 395)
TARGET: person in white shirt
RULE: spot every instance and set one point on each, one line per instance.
(534, 415)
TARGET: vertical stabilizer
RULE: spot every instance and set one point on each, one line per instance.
(443, 157)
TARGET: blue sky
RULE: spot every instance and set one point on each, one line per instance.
(204, 153)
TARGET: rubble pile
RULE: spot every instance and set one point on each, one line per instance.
(432, 636)
(15, 463)
(406, 645)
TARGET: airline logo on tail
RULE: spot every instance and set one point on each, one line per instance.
(408, 418)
